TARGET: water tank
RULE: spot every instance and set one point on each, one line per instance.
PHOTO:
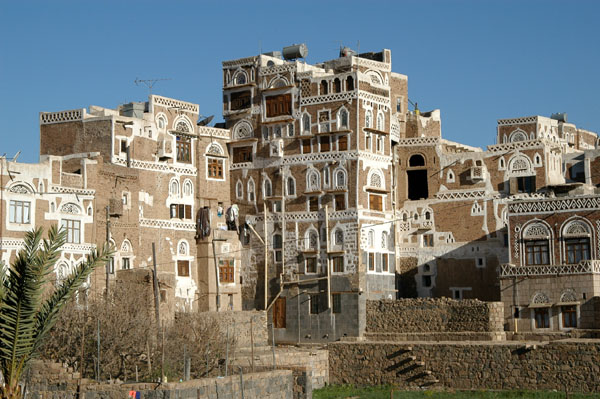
(135, 110)
(560, 116)
(295, 51)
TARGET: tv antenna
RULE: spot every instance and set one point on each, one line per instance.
(149, 83)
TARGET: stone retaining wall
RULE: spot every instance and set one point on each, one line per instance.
(423, 315)
(49, 380)
(239, 326)
(509, 365)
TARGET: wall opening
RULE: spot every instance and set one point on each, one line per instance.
(417, 184)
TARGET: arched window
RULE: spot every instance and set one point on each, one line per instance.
(340, 178)
(371, 238)
(376, 179)
(416, 160)
(306, 124)
(384, 240)
(188, 188)
(369, 119)
(427, 215)
(174, 187)
(251, 191)
(536, 238)
(380, 121)
(291, 186)
(240, 78)
(324, 87)
(183, 248)
(338, 237)
(450, 178)
(326, 176)
(267, 188)
(312, 180)
(337, 85)
(239, 190)
(501, 163)
(576, 236)
(350, 83)
(161, 121)
(312, 240)
(342, 119)
(277, 247)
(62, 271)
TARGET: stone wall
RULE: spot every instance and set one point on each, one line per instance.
(508, 365)
(277, 384)
(428, 315)
(239, 326)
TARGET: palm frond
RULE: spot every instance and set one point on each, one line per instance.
(50, 308)
(23, 287)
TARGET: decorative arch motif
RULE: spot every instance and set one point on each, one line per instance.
(242, 130)
(126, 246)
(174, 187)
(313, 181)
(384, 240)
(576, 228)
(267, 187)
(291, 186)
(251, 190)
(188, 188)
(568, 295)
(239, 190)
(375, 179)
(278, 82)
(380, 121)
(161, 121)
(540, 298)
(240, 77)
(375, 77)
(62, 271)
(340, 179)
(517, 135)
(183, 125)
(369, 118)
(338, 236)
(416, 160)
(371, 238)
(312, 239)
(450, 178)
(536, 230)
(343, 119)
(183, 248)
(70, 208)
(306, 123)
(520, 165)
(214, 149)
(20, 188)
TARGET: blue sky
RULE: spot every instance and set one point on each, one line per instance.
(477, 61)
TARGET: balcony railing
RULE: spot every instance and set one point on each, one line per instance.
(583, 267)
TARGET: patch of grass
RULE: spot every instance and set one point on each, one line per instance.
(383, 392)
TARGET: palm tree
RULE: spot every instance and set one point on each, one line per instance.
(25, 316)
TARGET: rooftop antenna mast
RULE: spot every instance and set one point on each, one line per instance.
(149, 83)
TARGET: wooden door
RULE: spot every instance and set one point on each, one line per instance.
(279, 313)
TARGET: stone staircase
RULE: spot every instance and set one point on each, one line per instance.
(410, 371)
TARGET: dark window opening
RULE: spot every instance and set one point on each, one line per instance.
(338, 264)
(314, 304)
(181, 211)
(342, 143)
(340, 202)
(578, 249)
(306, 147)
(537, 252)
(337, 85)
(240, 100)
(324, 142)
(417, 184)
(569, 316)
(350, 83)
(416, 160)
(242, 154)
(279, 105)
(313, 204)
(183, 268)
(337, 303)
(542, 318)
(311, 265)
(426, 281)
(323, 87)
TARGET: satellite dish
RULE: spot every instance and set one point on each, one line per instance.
(205, 121)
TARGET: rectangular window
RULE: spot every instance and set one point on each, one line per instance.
(279, 105)
(368, 141)
(426, 282)
(240, 100)
(379, 142)
(537, 252)
(526, 184)
(311, 265)
(578, 249)
(306, 147)
(184, 149)
(340, 202)
(313, 204)
(276, 206)
(428, 240)
(111, 265)
(242, 154)
(183, 268)
(279, 313)
(180, 211)
(226, 271)
(343, 143)
(277, 247)
(73, 228)
(384, 263)
(314, 304)
(375, 202)
(125, 264)
(371, 262)
(19, 212)
(324, 143)
(215, 168)
(337, 303)
(338, 264)
(123, 146)
(542, 317)
(569, 316)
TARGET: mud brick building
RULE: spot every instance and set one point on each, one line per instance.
(140, 174)
(350, 196)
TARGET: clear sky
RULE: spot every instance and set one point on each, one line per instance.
(477, 61)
